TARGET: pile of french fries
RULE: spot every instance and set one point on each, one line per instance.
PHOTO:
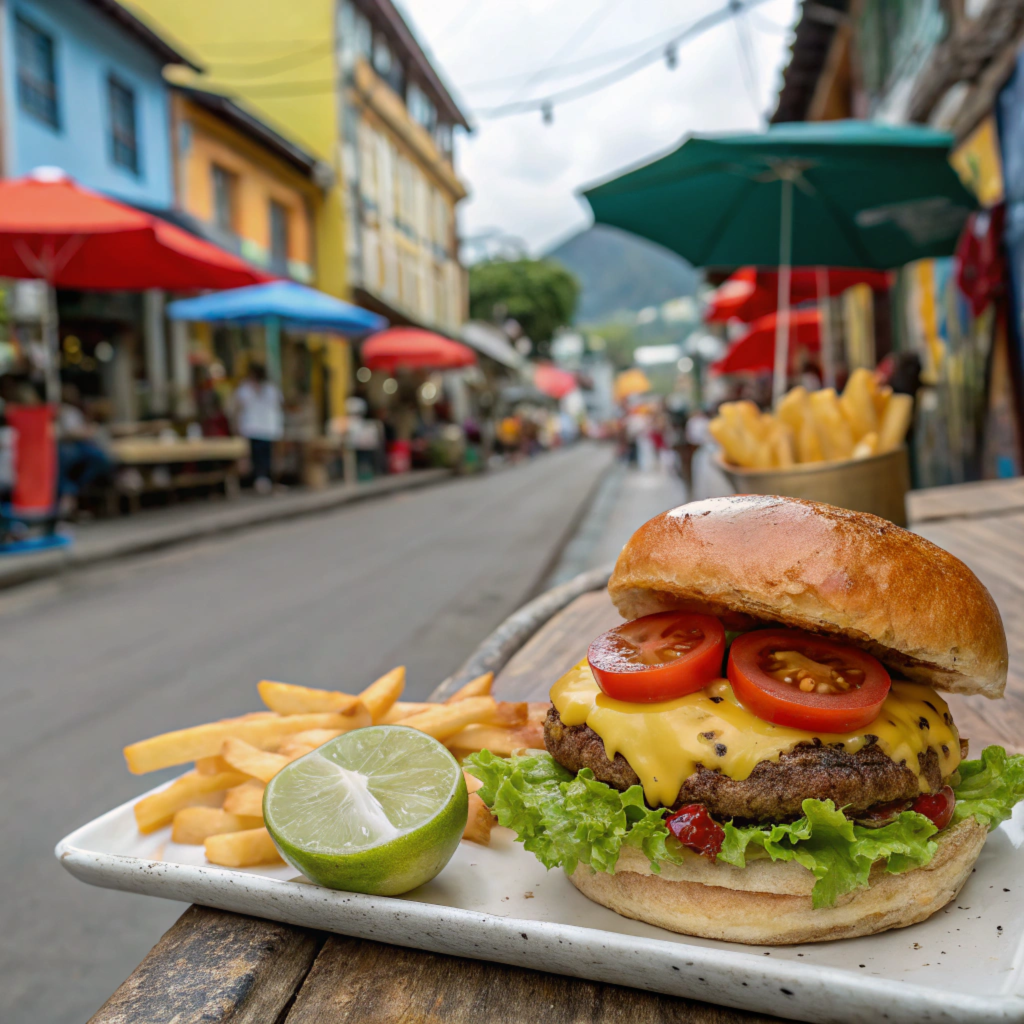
(815, 426)
(219, 803)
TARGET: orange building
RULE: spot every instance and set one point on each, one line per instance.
(251, 190)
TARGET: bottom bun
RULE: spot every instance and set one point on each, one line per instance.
(780, 917)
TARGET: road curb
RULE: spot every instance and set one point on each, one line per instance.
(16, 570)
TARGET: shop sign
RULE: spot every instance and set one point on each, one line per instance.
(979, 164)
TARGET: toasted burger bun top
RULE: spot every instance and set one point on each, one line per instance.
(813, 566)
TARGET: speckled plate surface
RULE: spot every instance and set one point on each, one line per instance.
(963, 965)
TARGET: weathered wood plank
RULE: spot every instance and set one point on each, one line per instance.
(356, 982)
(556, 647)
(213, 967)
(493, 654)
(965, 500)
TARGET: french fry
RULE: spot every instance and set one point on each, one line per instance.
(866, 446)
(242, 849)
(303, 742)
(858, 403)
(472, 782)
(380, 695)
(479, 687)
(245, 799)
(537, 711)
(192, 825)
(212, 765)
(402, 709)
(498, 741)
(444, 720)
(289, 699)
(834, 432)
(882, 395)
(158, 809)
(479, 823)
(896, 422)
(250, 760)
(510, 713)
(186, 745)
(808, 444)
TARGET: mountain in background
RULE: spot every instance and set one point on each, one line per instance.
(620, 272)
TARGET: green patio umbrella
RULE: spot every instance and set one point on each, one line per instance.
(832, 193)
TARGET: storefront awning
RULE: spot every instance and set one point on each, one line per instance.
(491, 342)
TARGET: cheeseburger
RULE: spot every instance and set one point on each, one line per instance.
(761, 753)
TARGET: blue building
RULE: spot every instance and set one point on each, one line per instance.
(83, 91)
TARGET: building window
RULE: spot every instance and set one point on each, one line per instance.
(123, 138)
(387, 65)
(278, 236)
(443, 138)
(421, 110)
(223, 199)
(37, 73)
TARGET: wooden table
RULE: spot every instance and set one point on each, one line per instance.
(215, 967)
(190, 462)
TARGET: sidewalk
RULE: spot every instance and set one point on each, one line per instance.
(625, 500)
(107, 539)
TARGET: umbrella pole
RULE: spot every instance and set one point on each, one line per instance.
(781, 374)
(828, 361)
(272, 330)
(51, 343)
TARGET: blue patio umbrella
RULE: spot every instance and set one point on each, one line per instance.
(276, 305)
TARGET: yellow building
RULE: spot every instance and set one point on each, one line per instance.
(348, 81)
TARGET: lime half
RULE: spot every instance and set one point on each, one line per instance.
(377, 810)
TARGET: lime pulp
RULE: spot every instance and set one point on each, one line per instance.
(377, 810)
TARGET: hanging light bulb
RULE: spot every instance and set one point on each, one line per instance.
(547, 112)
(671, 56)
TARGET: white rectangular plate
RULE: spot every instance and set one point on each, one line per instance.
(963, 965)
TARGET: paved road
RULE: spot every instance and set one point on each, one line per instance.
(98, 660)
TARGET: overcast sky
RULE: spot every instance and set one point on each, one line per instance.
(523, 174)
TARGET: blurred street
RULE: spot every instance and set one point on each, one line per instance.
(112, 655)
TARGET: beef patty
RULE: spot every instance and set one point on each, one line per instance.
(774, 790)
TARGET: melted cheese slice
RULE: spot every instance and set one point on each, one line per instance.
(665, 742)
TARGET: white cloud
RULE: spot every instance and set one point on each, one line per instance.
(523, 174)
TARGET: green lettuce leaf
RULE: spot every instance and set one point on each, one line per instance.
(837, 852)
(567, 819)
(989, 787)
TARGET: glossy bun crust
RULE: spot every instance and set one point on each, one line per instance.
(769, 904)
(829, 570)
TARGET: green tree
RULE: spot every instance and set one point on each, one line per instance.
(540, 295)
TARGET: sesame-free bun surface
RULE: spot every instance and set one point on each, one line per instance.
(816, 567)
(769, 903)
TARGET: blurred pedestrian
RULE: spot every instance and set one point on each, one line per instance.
(259, 417)
(82, 461)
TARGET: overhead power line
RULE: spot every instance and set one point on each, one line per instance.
(631, 67)
(665, 36)
(274, 65)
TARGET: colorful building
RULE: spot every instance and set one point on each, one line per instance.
(349, 83)
(250, 189)
(958, 67)
(83, 90)
(402, 188)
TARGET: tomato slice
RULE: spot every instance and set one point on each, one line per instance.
(805, 681)
(658, 657)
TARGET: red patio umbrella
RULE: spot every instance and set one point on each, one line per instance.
(410, 348)
(752, 292)
(755, 351)
(552, 381)
(53, 229)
